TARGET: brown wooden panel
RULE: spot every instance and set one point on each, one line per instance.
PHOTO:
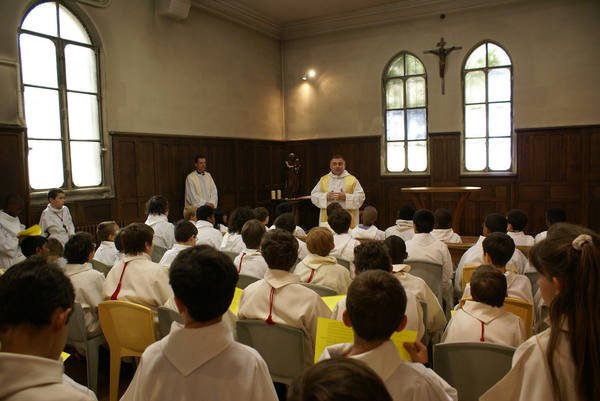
(444, 153)
(532, 192)
(13, 164)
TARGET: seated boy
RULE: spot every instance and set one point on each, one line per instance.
(497, 250)
(157, 209)
(200, 358)
(56, 221)
(279, 297)
(250, 262)
(55, 252)
(423, 246)
(34, 245)
(376, 304)
(374, 256)
(367, 229)
(517, 220)
(331, 208)
(10, 226)
(262, 215)
(36, 300)
(185, 237)
(442, 229)
(107, 252)
(189, 214)
(493, 223)
(285, 207)
(207, 233)
(136, 278)
(404, 224)
(286, 222)
(319, 267)
(232, 241)
(436, 320)
(553, 215)
(86, 281)
(339, 221)
(483, 319)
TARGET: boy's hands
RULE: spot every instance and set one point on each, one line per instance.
(417, 351)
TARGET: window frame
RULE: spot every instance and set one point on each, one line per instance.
(105, 188)
(513, 146)
(384, 109)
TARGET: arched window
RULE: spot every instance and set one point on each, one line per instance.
(61, 93)
(405, 105)
(488, 119)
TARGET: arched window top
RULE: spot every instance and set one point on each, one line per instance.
(487, 55)
(405, 64)
(54, 19)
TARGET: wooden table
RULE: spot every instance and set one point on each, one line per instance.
(417, 195)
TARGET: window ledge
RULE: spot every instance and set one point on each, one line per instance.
(80, 194)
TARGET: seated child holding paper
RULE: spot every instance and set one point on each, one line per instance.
(376, 305)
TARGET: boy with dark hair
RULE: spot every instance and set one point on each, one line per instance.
(10, 227)
(287, 222)
(442, 230)
(136, 277)
(232, 240)
(423, 246)
(86, 281)
(250, 261)
(157, 209)
(185, 237)
(285, 208)
(34, 245)
(498, 248)
(483, 319)
(367, 228)
(107, 252)
(404, 224)
(262, 215)
(201, 356)
(376, 309)
(36, 300)
(56, 221)
(553, 215)
(517, 220)
(207, 233)
(279, 297)
(493, 223)
(55, 252)
(339, 221)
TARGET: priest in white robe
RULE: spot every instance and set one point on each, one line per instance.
(200, 188)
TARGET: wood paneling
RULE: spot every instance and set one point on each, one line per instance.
(12, 164)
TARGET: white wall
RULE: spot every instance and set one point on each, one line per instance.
(203, 76)
(554, 45)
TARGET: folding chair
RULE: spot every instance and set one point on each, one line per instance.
(245, 280)
(166, 317)
(467, 272)
(471, 368)
(157, 253)
(321, 289)
(129, 329)
(101, 267)
(533, 276)
(522, 309)
(431, 273)
(281, 346)
(78, 337)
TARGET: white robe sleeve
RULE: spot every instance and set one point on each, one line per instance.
(355, 199)
(9, 244)
(214, 196)
(318, 198)
(190, 191)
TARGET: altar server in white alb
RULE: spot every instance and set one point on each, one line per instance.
(553, 215)
(200, 359)
(517, 220)
(107, 252)
(10, 226)
(56, 220)
(157, 208)
(250, 261)
(338, 186)
(200, 189)
(368, 230)
(442, 230)
(207, 233)
(185, 235)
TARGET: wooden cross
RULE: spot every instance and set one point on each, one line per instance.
(442, 52)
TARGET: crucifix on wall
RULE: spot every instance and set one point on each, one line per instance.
(442, 52)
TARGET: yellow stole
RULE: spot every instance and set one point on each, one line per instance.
(349, 185)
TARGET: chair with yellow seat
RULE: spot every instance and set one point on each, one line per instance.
(516, 306)
(467, 272)
(128, 328)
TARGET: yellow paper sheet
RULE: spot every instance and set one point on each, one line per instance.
(332, 300)
(33, 230)
(331, 332)
(64, 356)
(235, 302)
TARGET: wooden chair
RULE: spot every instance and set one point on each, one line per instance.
(471, 368)
(129, 329)
(78, 337)
(467, 272)
(281, 346)
(245, 280)
(320, 289)
(166, 316)
(157, 253)
(101, 267)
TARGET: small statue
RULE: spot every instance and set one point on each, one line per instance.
(292, 176)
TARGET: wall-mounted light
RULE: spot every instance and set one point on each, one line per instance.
(310, 74)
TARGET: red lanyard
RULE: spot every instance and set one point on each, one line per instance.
(239, 269)
(115, 294)
(312, 273)
(482, 339)
(269, 318)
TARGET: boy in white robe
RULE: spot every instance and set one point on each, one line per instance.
(284, 208)
(404, 224)
(320, 268)
(286, 222)
(424, 247)
(207, 233)
(10, 226)
(86, 281)
(232, 241)
(517, 220)
(250, 262)
(483, 319)
(339, 221)
(376, 304)
(553, 215)
(279, 298)
(56, 220)
(442, 229)
(34, 245)
(497, 250)
(157, 209)
(185, 235)
(136, 278)
(107, 252)
(200, 359)
(367, 229)
(36, 300)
